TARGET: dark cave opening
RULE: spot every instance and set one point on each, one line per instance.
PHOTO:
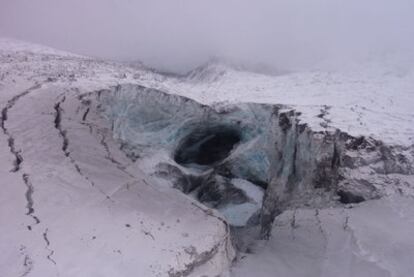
(346, 197)
(207, 146)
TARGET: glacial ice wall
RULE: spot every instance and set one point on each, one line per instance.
(147, 120)
(208, 151)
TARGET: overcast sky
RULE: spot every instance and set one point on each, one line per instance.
(176, 34)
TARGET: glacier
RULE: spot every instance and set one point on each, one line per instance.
(222, 172)
(265, 145)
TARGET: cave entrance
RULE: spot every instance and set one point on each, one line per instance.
(207, 146)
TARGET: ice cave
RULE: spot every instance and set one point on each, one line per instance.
(207, 145)
(248, 161)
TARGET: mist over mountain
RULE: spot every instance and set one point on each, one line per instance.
(178, 35)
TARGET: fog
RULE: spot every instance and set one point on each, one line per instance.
(178, 34)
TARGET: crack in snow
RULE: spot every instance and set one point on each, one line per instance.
(346, 222)
(199, 259)
(51, 252)
(210, 212)
(101, 132)
(27, 262)
(363, 253)
(102, 141)
(4, 117)
(148, 233)
(85, 114)
(29, 199)
(65, 144)
(293, 224)
(324, 112)
(318, 220)
(319, 223)
(18, 159)
(58, 126)
(17, 164)
(108, 154)
(324, 236)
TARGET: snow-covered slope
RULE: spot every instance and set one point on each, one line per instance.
(370, 100)
(91, 153)
(69, 204)
(372, 239)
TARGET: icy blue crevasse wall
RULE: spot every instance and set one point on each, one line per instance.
(276, 151)
(149, 120)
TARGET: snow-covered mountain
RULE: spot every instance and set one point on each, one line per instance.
(110, 169)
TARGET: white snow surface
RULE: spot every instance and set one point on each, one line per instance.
(371, 100)
(79, 209)
(371, 240)
(92, 212)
